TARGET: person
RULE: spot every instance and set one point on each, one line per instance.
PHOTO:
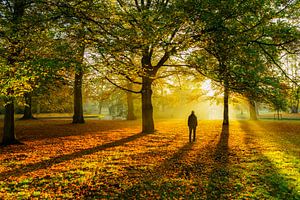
(192, 123)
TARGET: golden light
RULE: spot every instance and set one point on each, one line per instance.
(206, 87)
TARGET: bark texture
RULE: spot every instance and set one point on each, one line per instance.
(9, 136)
(252, 109)
(226, 106)
(78, 107)
(147, 108)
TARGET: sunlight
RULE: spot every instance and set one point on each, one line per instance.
(206, 86)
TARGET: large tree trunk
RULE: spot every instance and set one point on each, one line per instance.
(147, 108)
(78, 108)
(28, 109)
(9, 136)
(252, 109)
(226, 106)
(130, 106)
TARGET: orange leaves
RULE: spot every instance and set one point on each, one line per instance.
(111, 159)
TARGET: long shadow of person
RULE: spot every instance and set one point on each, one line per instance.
(219, 177)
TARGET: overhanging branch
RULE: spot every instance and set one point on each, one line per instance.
(120, 87)
(277, 65)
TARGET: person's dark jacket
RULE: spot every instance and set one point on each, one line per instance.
(192, 121)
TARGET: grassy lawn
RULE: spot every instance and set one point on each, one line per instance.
(112, 160)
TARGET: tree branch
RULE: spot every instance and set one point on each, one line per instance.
(273, 44)
(120, 87)
(165, 57)
(274, 62)
(137, 6)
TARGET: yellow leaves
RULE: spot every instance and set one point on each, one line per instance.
(110, 159)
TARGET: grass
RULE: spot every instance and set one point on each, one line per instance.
(112, 160)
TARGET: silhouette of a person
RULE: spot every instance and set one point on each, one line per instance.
(192, 123)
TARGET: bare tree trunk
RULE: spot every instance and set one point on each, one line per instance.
(78, 105)
(226, 106)
(130, 106)
(9, 136)
(147, 108)
(28, 107)
(78, 108)
(252, 109)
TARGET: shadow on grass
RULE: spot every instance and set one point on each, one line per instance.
(175, 179)
(154, 182)
(283, 132)
(45, 129)
(219, 177)
(265, 176)
(23, 169)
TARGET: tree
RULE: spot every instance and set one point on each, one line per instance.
(19, 22)
(45, 65)
(252, 109)
(292, 68)
(135, 40)
(241, 40)
(28, 107)
(24, 25)
(79, 71)
(73, 31)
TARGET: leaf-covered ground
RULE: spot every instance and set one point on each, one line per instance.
(112, 160)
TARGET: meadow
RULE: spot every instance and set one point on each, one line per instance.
(113, 160)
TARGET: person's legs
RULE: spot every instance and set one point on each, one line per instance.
(194, 130)
(190, 134)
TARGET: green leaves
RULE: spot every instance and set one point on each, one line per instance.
(242, 42)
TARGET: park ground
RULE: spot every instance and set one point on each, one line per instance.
(113, 160)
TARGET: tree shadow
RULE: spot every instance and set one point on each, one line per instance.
(287, 135)
(221, 153)
(168, 179)
(219, 177)
(151, 180)
(173, 177)
(23, 169)
(41, 129)
(268, 180)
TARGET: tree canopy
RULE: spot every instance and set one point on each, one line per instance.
(238, 44)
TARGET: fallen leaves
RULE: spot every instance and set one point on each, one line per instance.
(111, 159)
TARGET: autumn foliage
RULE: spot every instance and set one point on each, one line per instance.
(113, 160)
